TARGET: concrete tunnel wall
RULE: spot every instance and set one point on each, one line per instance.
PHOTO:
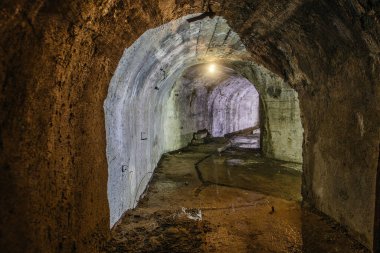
(282, 128)
(233, 106)
(137, 108)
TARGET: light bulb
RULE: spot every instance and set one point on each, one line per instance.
(212, 68)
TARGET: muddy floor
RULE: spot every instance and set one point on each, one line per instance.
(236, 201)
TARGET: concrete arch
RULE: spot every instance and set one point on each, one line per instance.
(139, 101)
(225, 110)
(137, 94)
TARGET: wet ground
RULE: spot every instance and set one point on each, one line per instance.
(236, 201)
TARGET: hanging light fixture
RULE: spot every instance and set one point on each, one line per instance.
(212, 68)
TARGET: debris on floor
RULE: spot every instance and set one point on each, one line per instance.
(237, 202)
(161, 231)
(200, 137)
(192, 213)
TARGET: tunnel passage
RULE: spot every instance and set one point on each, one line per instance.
(234, 106)
(143, 120)
(221, 102)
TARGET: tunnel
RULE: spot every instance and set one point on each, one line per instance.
(119, 113)
(145, 118)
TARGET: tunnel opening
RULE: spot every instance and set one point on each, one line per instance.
(221, 103)
(184, 77)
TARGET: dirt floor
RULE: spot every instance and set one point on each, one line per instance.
(237, 201)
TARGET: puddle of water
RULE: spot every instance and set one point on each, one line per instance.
(262, 175)
(232, 162)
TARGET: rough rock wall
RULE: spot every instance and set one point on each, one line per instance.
(57, 59)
